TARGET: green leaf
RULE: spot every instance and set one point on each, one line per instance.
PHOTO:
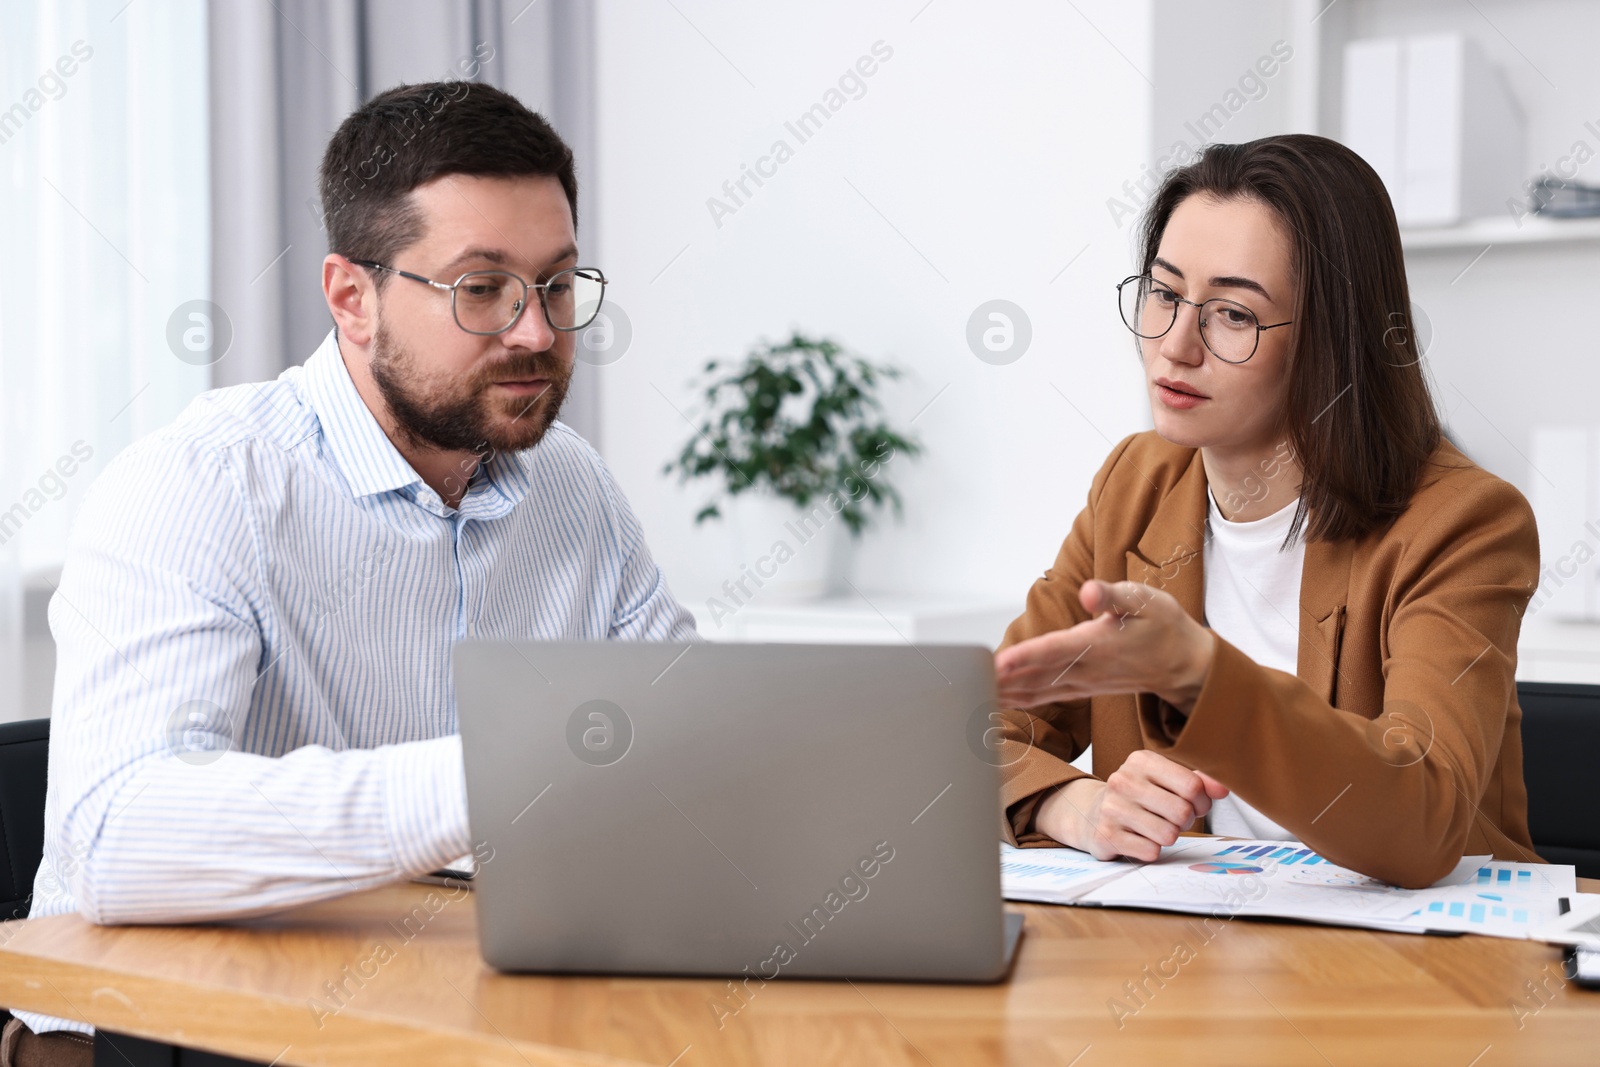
(796, 419)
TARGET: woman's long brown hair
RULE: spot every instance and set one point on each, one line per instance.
(1359, 415)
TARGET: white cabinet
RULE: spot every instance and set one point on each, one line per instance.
(1555, 651)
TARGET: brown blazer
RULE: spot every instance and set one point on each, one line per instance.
(1394, 749)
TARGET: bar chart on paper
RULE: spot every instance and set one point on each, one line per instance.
(1501, 898)
(1052, 875)
(1290, 864)
(1284, 854)
(1281, 879)
(1286, 879)
(1493, 906)
(1044, 873)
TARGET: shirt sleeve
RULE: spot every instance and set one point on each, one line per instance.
(645, 608)
(154, 815)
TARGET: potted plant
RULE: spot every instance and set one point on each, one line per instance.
(798, 422)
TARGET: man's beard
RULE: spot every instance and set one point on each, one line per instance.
(461, 420)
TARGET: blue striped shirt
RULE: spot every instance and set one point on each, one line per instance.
(253, 704)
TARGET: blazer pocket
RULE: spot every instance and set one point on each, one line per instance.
(1319, 653)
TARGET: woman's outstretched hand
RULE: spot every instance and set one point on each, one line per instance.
(1139, 641)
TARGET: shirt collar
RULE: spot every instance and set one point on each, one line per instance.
(364, 454)
(508, 473)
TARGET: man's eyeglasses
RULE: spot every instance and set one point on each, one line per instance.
(1229, 329)
(488, 302)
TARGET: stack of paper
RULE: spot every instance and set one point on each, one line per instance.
(455, 874)
(1224, 878)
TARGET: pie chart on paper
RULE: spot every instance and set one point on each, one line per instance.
(1225, 867)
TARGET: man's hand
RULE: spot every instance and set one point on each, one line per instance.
(1144, 805)
(1139, 641)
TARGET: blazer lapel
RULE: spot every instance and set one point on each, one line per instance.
(1169, 555)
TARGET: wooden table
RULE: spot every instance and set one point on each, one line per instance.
(416, 992)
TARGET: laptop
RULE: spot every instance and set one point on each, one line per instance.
(744, 810)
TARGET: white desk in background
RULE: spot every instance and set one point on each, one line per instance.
(868, 618)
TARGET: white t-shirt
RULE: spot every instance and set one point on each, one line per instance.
(1252, 593)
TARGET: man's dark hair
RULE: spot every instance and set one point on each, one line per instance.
(1362, 455)
(408, 136)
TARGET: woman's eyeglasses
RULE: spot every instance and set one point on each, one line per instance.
(1229, 329)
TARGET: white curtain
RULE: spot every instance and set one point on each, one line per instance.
(104, 246)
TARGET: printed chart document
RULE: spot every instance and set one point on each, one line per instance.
(1500, 899)
(1062, 875)
(1284, 879)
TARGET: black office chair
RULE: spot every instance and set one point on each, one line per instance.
(1560, 746)
(24, 748)
(24, 751)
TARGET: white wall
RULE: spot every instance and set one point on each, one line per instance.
(977, 165)
(1257, 62)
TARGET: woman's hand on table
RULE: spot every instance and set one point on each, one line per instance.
(1144, 805)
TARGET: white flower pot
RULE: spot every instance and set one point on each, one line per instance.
(783, 554)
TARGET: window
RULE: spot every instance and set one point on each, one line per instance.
(104, 244)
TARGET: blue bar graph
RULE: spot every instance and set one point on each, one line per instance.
(1284, 855)
(1478, 912)
(1281, 853)
(1487, 875)
(1041, 870)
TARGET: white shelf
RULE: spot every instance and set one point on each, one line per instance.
(1501, 231)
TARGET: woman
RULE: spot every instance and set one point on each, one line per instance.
(1361, 581)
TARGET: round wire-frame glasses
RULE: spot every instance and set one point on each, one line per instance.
(1237, 327)
(572, 296)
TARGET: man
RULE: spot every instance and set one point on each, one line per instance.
(253, 701)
